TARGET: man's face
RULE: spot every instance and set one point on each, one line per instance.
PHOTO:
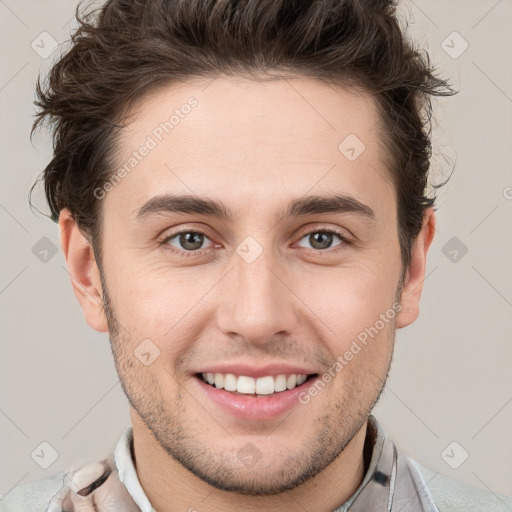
(260, 294)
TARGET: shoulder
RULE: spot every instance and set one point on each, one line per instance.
(89, 488)
(32, 497)
(453, 496)
(58, 492)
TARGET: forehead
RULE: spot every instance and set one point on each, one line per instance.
(251, 139)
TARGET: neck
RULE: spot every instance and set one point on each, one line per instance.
(169, 486)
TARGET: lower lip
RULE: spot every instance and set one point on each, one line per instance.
(255, 407)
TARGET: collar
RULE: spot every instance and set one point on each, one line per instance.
(392, 482)
(123, 457)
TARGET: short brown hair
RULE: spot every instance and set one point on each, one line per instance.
(128, 48)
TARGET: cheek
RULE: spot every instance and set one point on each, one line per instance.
(349, 301)
(163, 307)
(147, 296)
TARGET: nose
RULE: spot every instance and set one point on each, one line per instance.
(257, 302)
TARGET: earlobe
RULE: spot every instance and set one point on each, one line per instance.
(415, 274)
(83, 271)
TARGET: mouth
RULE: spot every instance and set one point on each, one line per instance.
(265, 386)
(254, 392)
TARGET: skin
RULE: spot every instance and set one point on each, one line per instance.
(253, 146)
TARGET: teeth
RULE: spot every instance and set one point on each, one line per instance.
(291, 381)
(230, 382)
(280, 383)
(219, 380)
(247, 385)
(265, 385)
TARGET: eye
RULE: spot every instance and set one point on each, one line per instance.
(187, 241)
(321, 240)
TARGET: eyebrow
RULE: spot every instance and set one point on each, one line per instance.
(309, 205)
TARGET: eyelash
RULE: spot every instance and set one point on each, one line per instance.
(187, 254)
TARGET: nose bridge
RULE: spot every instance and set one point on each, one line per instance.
(256, 303)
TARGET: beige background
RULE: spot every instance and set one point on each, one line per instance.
(451, 378)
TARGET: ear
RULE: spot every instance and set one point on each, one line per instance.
(415, 274)
(83, 270)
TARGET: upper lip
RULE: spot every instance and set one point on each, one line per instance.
(250, 370)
